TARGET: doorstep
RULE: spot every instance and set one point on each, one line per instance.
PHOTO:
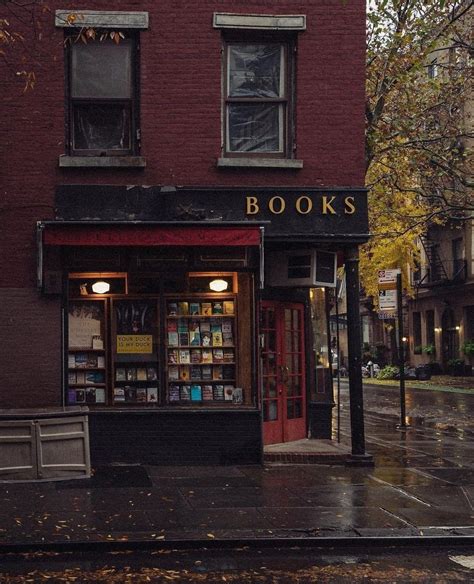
(306, 451)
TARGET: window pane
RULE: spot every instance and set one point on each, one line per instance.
(101, 127)
(255, 128)
(255, 71)
(101, 69)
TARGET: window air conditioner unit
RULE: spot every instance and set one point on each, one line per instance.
(310, 268)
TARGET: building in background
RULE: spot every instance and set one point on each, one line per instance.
(178, 190)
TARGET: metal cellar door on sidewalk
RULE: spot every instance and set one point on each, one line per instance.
(283, 372)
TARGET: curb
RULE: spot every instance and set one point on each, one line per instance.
(253, 543)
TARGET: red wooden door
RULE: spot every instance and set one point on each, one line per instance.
(283, 372)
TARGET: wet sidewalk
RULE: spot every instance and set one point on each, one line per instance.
(422, 485)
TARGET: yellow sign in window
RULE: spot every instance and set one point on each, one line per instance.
(134, 343)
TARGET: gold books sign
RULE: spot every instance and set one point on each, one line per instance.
(134, 343)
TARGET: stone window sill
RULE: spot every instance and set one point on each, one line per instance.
(102, 162)
(259, 163)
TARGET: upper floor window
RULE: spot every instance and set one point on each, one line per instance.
(257, 115)
(102, 97)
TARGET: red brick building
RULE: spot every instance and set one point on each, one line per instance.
(182, 144)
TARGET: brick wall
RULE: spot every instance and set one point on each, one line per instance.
(181, 112)
(30, 349)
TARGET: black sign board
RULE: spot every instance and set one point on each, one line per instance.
(289, 214)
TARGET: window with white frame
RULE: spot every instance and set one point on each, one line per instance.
(257, 98)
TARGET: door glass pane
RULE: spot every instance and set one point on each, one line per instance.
(290, 409)
(271, 335)
(298, 412)
(270, 320)
(270, 411)
(271, 387)
(295, 320)
(255, 71)
(255, 127)
(288, 345)
(296, 386)
(296, 342)
(269, 364)
(101, 69)
(296, 364)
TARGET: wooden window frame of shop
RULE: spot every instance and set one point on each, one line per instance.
(244, 375)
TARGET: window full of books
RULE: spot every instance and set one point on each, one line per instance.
(201, 350)
(186, 349)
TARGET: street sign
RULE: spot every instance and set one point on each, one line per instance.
(388, 276)
(387, 315)
(388, 300)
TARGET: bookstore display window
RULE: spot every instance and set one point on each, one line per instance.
(180, 350)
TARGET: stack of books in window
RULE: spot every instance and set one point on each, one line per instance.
(136, 383)
(86, 377)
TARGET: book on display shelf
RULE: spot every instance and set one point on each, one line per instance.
(217, 355)
(173, 339)
(216, 325)
(172, 326)
(227, 340)
(71, 396)
(217, 339)
(206, 372)
(130, 393)
(194, 338)
(174, 394)
(80, 396)
(229, 355)
(206, 339)
(206, 356)
(152, 394)
(183, 339)
(217, 373)
(205, 326)
(228, 307)
(71, 361)
(151, 374)
(217, 308)
(182, 326)
(93, 377)
(91, 360)
(228, 371)
(183, 308)
(194, 326)
(172, 308)
(184, 356)
(173, 357)
(206, 308)
(100, 395)
(185, 393)
(195, 372)
(196, 393)
(120, 374)
(71, 377)
(119, 394)
(226, 325)
(100, 361)
(207, 392)
(80, 377)
(173, 373)
(194, 308)
(90, 396)
(131, 374)
(81, 360)
(228, 392)
(184, 373)
(141, 394)
(196, 356)
(238, 395)
(218, 392)
(141, 374)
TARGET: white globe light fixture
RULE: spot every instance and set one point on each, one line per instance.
(100, 287)
(218, 285)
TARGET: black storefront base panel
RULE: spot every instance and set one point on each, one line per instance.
(175, 437)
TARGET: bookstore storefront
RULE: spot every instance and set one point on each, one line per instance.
(168, 323)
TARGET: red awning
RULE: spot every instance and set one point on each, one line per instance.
(149, 235)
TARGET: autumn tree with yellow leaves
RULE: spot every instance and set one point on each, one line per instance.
(419, 81)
